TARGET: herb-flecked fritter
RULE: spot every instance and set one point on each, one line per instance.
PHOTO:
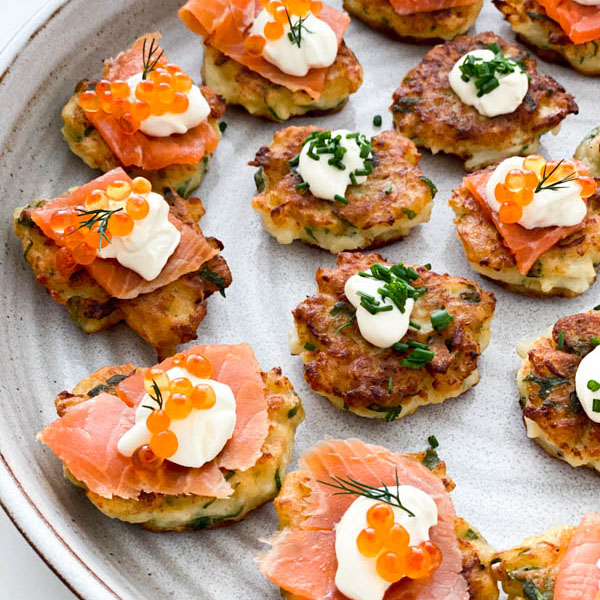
(165, 318)
(427, 110)
(369, 381)
(395, 197)
(552, 413)
(567, 269)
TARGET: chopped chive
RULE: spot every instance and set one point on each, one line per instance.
(593, 385)
(440, 319)
(309, 346)
(302, 186)
(353, 178)
(340, 199)
(596, 405)
(346, 324)
(390, 384)
(293, 162)
(377, 120)
(222, 126)
(561, 340)
(428, 266)
(414, 325)
(400, 347)
(597, 307)
(417, 345)
(433, 441)
(595, 341)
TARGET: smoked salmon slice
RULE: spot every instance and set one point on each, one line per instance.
(142, 150)
(85, 437)
(581, 23)
(410, 7)
(224, 25)
(579, 572)
(527, 245)
(302, 560)
(193, 250)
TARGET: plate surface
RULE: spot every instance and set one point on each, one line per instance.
(506, 485)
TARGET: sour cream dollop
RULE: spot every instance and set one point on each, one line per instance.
(327, 181)
(589, 370)
(504, 99)
(170, 123)
(562, 206)
(201, 435)
(356, 576)
(384, 328)
(318, 45)
(148, 247)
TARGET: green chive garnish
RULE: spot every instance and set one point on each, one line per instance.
(340, 199)
(390, 385)
(593, 385)
(440, 319)
(377, 120)
(561, 340)
(596, 405)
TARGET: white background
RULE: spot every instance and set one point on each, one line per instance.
(23, 574)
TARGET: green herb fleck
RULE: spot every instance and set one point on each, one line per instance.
(429, 184)
(561, 340)
(440, 319)
(222, 126)
(310, 347)
(212, 277)
(411, 214)
(377, 120)
(545, 384)
(390, 384)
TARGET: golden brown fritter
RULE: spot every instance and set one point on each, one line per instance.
(568, 269)
(85, 141)
(477, 554)
(434, 26)
(536, 30)
(263, 98)
(165, 318)
(253, 487)
(356, 376)
(529, 571)
(552, 413)
(427, 110)
(588, 151)
(395, 198)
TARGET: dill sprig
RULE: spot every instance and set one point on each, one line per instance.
(295, 32)
(354, 487)
(556, 185)
(100, 217)
(149, 59)
(156, 396)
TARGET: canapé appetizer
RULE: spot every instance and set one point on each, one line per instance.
(559, 389)
(277, 59)
(339, 190)
(480, 98)
(113, 250)
(380, 339)
(562, 563)
(361, 522)
(531, 225)
(563, 31)
(195, 442)
(147, 116)
(420, 21)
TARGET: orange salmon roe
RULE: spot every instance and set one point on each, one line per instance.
(316, 6)
(181, 385)
(144, 458)
(178, 360)
(96, 200)
(137, 207)
(89, 101)
(397, 539)
(72, 237)
(157, 421)
(158, 376)
(390, 566)
(140, 185)
(84, 254)
(120, 224)
(588, 186)
(118, 190)
(164, 444)
(510, 212)
(273, 31)
(417, 563)
(203, 397)
(63, 219)
(199, 366)
(178, 406)
(370, 542)
(380, 516)
(435, 554)
(64, 261)
(254, 45)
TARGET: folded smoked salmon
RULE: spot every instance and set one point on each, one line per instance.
(138, 118)
(144, 485)
(62, 239)
(314, 511)
(580, 22)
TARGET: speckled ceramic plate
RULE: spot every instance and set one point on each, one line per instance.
(506, 485)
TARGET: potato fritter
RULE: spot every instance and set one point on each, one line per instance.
(588, 151)
(552, 413)
(87, 143)
(568, 269)
(477, 554)
(529, 571)
(165, 318)
(395, 198)
(427, 110)
(260, 97)
(371, 382)
(253, 487)
(536, 30)
(434, 26)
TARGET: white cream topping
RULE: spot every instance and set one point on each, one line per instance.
(356, 576)
(327, 181)
(148, 247)
(561, 206)
(170, 123)
(318, 45)
(384, 328)
(589, 370)
(201, 435)
(588, 2)
(505, 99)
